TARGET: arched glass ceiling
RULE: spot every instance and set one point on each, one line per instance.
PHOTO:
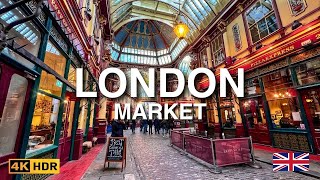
(197, 14)
(146, 42)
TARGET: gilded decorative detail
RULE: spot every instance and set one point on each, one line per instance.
(251, 74)
(32, 5)
(306, 55)
(274, 66)
(48, 155)
(57, 37)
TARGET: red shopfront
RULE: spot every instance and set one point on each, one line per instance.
(15, 92)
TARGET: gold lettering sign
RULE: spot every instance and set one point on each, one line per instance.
(273, 55)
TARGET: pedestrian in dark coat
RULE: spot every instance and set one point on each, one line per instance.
(157, 126)
(150, 124)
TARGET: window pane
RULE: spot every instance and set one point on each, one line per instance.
(72, 75)
(44, 122)
(308, 72)
(11, 117)
(282, 99)
(57, 62)
(261, 20)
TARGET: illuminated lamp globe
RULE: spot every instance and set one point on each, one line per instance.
(181, 30)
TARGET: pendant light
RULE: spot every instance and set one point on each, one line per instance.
(181, 29)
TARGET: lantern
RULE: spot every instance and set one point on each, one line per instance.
(181, 30)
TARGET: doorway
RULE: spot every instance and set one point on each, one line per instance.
(255, 120)
(311, 103)
(15, 91)
(65, 133)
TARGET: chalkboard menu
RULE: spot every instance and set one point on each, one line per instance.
(291, 141)
(116, 150)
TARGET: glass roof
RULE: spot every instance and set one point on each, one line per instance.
(146, 42)
(27, 30)
(144, 28)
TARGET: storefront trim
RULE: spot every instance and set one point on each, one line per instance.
(42, 151)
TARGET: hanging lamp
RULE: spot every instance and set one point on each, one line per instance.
(181, 29)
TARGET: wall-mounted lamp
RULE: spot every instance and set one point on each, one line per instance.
(258, 45)
(295, 24)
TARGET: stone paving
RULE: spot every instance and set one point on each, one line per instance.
(149, 157)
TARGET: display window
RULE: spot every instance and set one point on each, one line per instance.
(311, 99)
(308, 72)
(11, 114)
(72, 75)
(282, 100)
(44, 121)
(227, 110)
(252, 87)
(83, 114)
(55, 60)
(253, 112)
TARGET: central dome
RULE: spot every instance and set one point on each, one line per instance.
(144, 42)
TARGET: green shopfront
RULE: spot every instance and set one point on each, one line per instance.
(39, 114)
(282, 105)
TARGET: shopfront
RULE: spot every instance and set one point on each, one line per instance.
(281, 106)
(39, 113)
(17, 77)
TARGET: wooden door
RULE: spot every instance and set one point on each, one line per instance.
(15, 89)
(65, 135)
(255, 120)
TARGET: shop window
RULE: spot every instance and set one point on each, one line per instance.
(72, 75)
(312, 100)
(68, 112)
(83, 114)
(252, 87)
(253, 112)
(204, 58)
(261, 20)
(282, 100)
(218, 50)
(25, 34)
(55, 60)
(11, 115)
(44, 122)
(211, 106)
(308, 72)
(227, 110)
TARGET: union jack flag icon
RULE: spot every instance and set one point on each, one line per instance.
(291, 162)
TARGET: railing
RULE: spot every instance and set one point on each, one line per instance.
(215, 152)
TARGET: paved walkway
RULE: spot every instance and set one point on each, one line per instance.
(149, 157)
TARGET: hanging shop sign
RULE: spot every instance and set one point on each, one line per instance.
(116, 151)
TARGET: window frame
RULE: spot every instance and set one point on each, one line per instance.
(276, 14)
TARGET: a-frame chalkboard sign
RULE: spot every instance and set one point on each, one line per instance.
(116, 151)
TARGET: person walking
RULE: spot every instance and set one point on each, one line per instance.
(157, 125)
(163, 125)
(170, 125)
(144, 125)
(133, 126)
(150, 124)
(117, 128)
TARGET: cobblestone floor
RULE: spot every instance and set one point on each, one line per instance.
(149, 157)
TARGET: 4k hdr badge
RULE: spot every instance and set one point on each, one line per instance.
(34, 166)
